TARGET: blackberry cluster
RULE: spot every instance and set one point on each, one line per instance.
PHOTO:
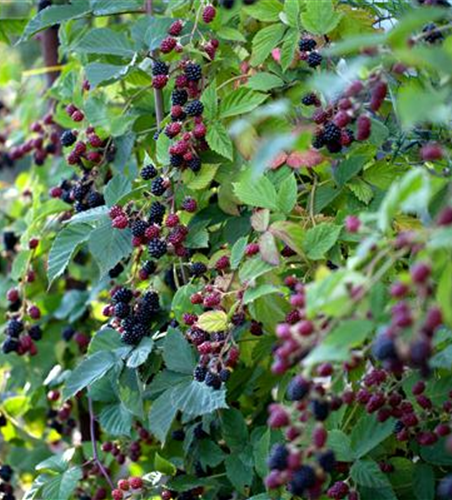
(198, 269)
(156, 213)
(160, 68)
(68, 138)
(194, 164)
(314, 59)
(310, 100)
(179, 97)
(307, 44)
(6, 489)
(158, 186)
(194, 108)
(193, 72)
(432, 34)
(157, 248)
(20, 336)
(148, 172)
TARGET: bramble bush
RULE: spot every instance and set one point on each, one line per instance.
(226, 259)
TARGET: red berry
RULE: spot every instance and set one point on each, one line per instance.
(120, 222)
(432, 152)
(95, 141)
(33, 243)
(200, 130)
(53, 395)
(418, 387)
(399, 290)
(189, 205)
(172, 220)
(56, 192)
(364, 126)
(152, 232)
(70, 109)
(341, 119)
(352, 224)
(168, 44)
(208, 14)
(123, 485)
(420, 272)
(176, 28)
(222, 263)
(12, 295)
(136, 482)
(80, 148)
(115, 211)
(166, 495)
(252, 249)
(77, 116)
(117, 494)
(107, 446)
(34, 312)
(94, 156)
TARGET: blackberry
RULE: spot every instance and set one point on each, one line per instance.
(35, 332)
(148, 172)
(14, 327)
(79, 206)
(307, 44)
(160, 68)
(318, 141)
(199, 432)
(314, 59)
(179, 117)
(213, 380)
(176, 161)
(158, 186)
(398, 426)
(297, 389)
(224, 375)
(122, 295)
(334, 147)
(302, 479)
(152, 301)
(197, 336)
(143, 314)
(6, 473)
(198, 269)
(194, 108)
(67, 138)
(310, 99)
(122, 310)
(9, 240)
(132, 337)
(327, 461)
(157, 248)
(79, 191)
(278, 457)
(149, 267)
(194, 164)
(156, 213)
(179, 97)
(320, 409)
(68, 333)
(10, 345)
(384, 348)
(200, 373)
(178, 435)
(433, 35)
(3, 420)
(445, 487)
(43, 4)
(95, 199)
(139, 228)
(193, 72)
(331, 133)
(116, 271)
(227, 4)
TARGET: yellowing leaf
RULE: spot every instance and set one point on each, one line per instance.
(213, 321)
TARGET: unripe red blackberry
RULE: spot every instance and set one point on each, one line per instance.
(364, 126)
(420, 272)
(352, 224)
(80, 148)
(432, 152)
(77, 116)
(12, 295)
(136, 483)
(208, 14)
(252, 249)
(159, 81)
(222, 263)
(94, 156)
(34, 312)
(199, 130)
(319, 116)
(123, 485)
(319, 436)
(115, 211)
(168, 44)
(189, 205)
(120, 222)
(117, 494)
(176, 28)
(341, 119)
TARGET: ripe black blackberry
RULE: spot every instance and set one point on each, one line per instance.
(6, 473)
(79, 191)
(179, 97)
(152, 301)
(43, 4)
(67, 333)
(116, 271)
(199, 432)
(327, 461)
(35, 332)
(122, 295)
(198, 269)
(9, 240)
(139, 228)
(160, 68)
(278, 457)
(432, 33)
(310, 99)
(194, 164)
(122, 310)
(149, 267)
(297, 389)
(80, 206)
(318, 141)
(224, 374)
(131, 337)
(307, 44)
(178, 435)
(95, 199)
(200, 373)
(148, 172)
(331, 133)
(227, 4)
(194, 108)
(157, 248)
(14, 327)
(176, 161)
(158, 186)
(193, 72)
(143, 314)
(314, 59)
(302, 479)
(156, 213)
(334, 147)
(67, 138)
(10, 345)
(320, 409)
(213, 380)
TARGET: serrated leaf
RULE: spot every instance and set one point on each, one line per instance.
(219, 141)
(289, 48)
(116, 419)
(423, 482)
(97, 73)
(213, 321)
(63, 485)
(265, 41)
(98, 214)
(164, 466)
(369, 433)
(264, 81)
(88, 371)
(261, 193)
(368, 473)
(163, 144)
(291, 234)
(320, 239)
(106, 339)
(196, 398)
(320, 17)
(228, 33)
(238, 252)
(254, 268)
(287, 194)
(252, 294)
(141, 353)
(210, 100)
(268, 249)
(105, 41)
(240, 101)
(265, 10)
(348, 169)
(161, 416)
(64, 247)
(177, 353)
(239, 473)
(118, 187)
(292, 11)
(260, 220)
(201, 179)
(361, 190)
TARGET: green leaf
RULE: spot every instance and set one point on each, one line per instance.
(130, 391)
(361, 190)
(264, 81)
(106, 7)
(287, 194)
(105, 339)
(57, 463)
(260, 193)
(97, 73)
(64, 247)
(265, 10)
(195, 398)
(88, 371)
(253, 268)
(202, 179)
(218, 139)
(239, 473)
(213, 321)
(238, 252)
(292, 11)
(252, 294)
(63, 485)
(339, 442)
(181, 302)
(116, 419)
(105, 41)
(348, 168)
(177, 353)
(210, 100)
(228, 33)
(161, 416)
(291, 234)
(157, 30)
(240, 101)
(163, 143)
(141, 353)
(320, 239)
(289, 48)
(260, 220)
(423, 482)
(20, 264)
(265, 41)
(109, 246)
(369, 433)
(368, 473)
(234, 429)
(350, 333)
(320, 17)
(164, 466)
(268, 249)
(118, 187)
(93, 215)
(211, 455)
